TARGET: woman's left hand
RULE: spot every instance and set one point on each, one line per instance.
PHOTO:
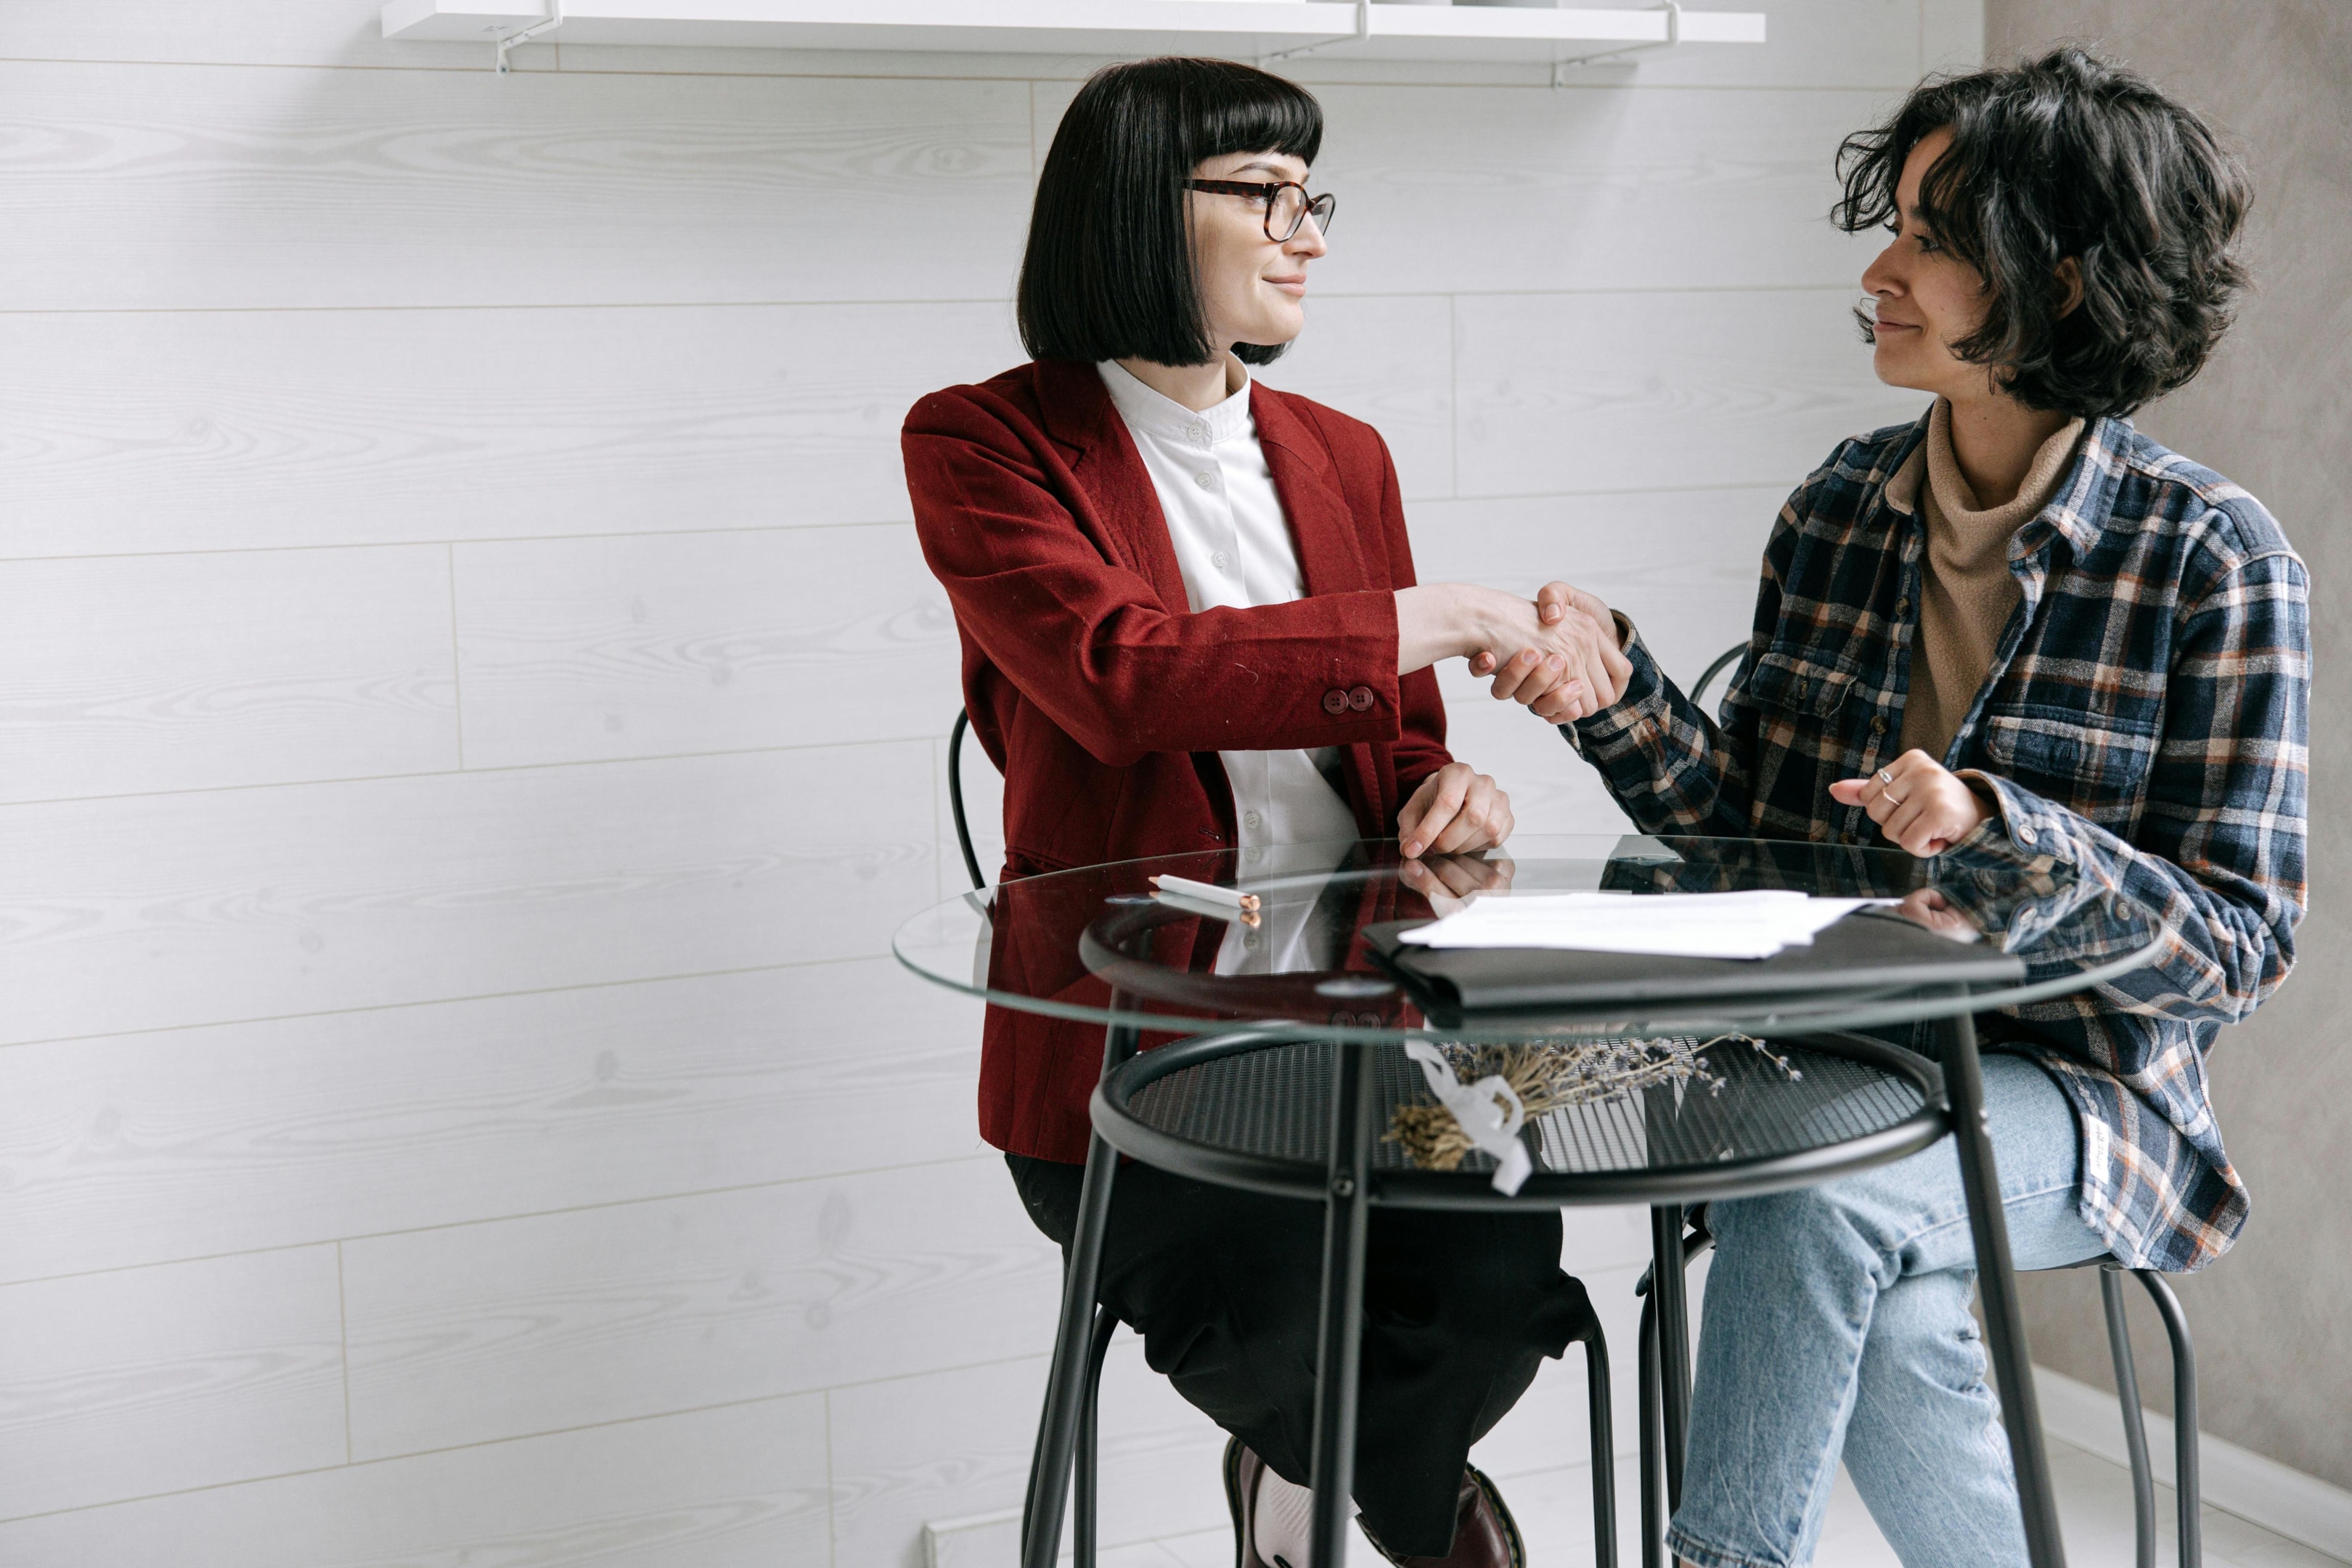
(1917, 802)
(1455, 810)
(1450, 881)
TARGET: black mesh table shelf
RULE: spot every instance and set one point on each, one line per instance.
(1255, 1112)
(1271, 1054)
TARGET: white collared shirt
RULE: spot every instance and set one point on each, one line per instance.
(1232, 545)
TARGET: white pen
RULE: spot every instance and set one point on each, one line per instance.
(1210, 892)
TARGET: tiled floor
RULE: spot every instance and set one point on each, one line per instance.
(2095, 1508)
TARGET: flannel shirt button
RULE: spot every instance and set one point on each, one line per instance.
(1361, 699)
(1335, 702)
(1902, 608)
(1878, 725)
(2025, 834)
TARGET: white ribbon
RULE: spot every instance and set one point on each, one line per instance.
(1488, 1111)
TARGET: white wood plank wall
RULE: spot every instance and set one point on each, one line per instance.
(471, 718)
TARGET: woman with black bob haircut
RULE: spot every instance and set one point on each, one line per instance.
(2018, 635)
(1189, 621)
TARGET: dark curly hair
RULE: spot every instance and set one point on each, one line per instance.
(2070, 156)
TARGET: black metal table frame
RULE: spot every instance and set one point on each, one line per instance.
(1953, 1102)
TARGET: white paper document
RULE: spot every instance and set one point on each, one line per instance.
(1675, 925)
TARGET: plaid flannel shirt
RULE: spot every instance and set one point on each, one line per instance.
(2144, 723)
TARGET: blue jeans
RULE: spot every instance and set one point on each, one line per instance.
(1837, 1323)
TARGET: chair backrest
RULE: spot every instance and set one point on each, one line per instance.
(955, 798)
(1725, 661)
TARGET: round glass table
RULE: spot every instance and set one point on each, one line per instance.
(1313, 1046)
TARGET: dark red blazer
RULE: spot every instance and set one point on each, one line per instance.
(1100, 694)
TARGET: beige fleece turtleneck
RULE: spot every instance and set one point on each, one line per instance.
(1966, 593)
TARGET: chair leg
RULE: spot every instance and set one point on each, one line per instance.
(1082, 1523)
(1057, 1430)
(2143, 1474)
(1602, 1448)
(2187, 1481)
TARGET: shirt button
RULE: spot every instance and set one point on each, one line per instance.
(1250, 941)
(1902, 608)
(1221, 562)
(1335, 702)
(1362, 699)
(1878, 725)
(1252, 819)
(2025, 833)
(1206, 481)
(1196, 432)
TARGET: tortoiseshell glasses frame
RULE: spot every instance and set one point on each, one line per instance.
(1286, 201)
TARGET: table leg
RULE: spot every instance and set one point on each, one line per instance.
(2012, 1360)
(1673, 1305)
(1057, 1428)
(1653, 1514)
(1083, 1534)
(1338, 1354)
(2119, 1349)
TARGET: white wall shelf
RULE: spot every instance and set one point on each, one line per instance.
(1237, 28)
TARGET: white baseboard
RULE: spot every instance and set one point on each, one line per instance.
(2260, 1491)
(984, 1541)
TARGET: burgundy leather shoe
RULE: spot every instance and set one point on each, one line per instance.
(1484, 1533)
(1242, 1469)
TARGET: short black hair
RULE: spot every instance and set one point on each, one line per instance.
(1108, 273)
(2070, 156)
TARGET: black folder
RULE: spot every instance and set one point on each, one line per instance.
(1869, 949)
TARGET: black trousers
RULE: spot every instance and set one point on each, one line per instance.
(1225, 1287)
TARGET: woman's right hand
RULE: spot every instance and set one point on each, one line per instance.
(1554, 654)
(1600, 663)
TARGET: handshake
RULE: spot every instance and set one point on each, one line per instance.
(1557, 653)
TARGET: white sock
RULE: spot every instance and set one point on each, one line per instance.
(1285, 1520)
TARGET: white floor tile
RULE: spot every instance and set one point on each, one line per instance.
(2094, 1502)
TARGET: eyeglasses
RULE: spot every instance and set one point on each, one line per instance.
(1287, 204)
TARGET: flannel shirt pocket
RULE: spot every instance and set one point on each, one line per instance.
(1794, 683)
(2095, 763)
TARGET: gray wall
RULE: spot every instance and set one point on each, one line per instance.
(2273, 1318)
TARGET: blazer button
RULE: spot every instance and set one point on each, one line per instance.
(1361, 699)
(1335, 702)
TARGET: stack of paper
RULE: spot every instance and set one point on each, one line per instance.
(1679, 925)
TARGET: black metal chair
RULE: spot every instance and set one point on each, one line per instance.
(1654, 1459)
(1723, 661)
(955, 798)
(1086, 1473)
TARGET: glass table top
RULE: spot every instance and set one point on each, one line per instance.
(1096, 944)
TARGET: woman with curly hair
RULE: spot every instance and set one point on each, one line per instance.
(2015, 633)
